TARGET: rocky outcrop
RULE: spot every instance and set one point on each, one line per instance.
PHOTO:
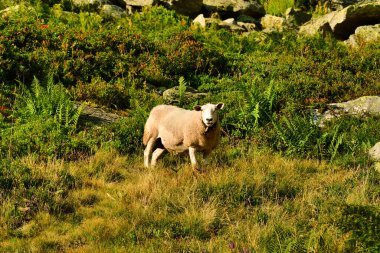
(364, 35)
(140, 3)
(234, 8)
(367, 105)
(96, 115)
(112, 11)
(186, 7)
(374, 152)
(344, 22)
(89, 5)
(272, 23)
(296, 17)
(172, 96)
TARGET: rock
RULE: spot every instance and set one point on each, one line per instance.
(364, 35)
(231, 25)
(112, 11)
(319, 25)
(140, 3)
(249, 27)
(186, 7)
(296, 17)
(234, 8)
(96, 115)
(367, 105)
(340, 4)
(374, 152)
(272, 23)
(200, 20)
(172, 95)
(10, 11)
(344, 22)
(89, 5)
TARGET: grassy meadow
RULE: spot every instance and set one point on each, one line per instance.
(276, 183)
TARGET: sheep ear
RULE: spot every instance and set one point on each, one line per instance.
(197, 108)
(220, 106)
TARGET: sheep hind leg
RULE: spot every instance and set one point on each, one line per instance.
(148, 151)
(156, 154)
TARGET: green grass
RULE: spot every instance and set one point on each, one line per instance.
(277, 7)
(277, 182)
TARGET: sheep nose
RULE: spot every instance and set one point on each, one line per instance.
(209, 119)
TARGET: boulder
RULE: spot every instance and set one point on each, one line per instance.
(340, 4)
(234, 8)
(318, 25)
(112, 11)
(344, 22)
(140, 3)
(231, 25)
(272, 23)
(364, 35)
(367, 105)
(89, 5)
(186, 7)
(374, 152)
(249, 27)
(296, 17)
(172, 95)
(96, 115)
(200, 20)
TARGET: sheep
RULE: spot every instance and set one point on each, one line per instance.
(176, 130)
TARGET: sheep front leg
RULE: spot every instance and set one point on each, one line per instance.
(193, 159)
(148, 152)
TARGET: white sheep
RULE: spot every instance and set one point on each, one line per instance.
(177, 130)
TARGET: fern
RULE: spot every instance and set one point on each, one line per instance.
(181, 90)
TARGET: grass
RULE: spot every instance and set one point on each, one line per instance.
(277, 182)
(277, 7)
(271, 204)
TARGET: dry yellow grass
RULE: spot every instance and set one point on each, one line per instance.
(257, 201)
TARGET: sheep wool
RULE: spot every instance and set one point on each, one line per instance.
(176, 130)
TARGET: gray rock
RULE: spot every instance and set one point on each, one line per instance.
(272, 23)
(296, 17)
(374, 152)
(89, 5)
(140, 3)
(249, 27)
(200, 20)
(232, 25)
(186, 7)
(364, 35)
(344, 22)
(233, 8)
(96, 115)
(172, 95)
(367, 105)
(112, 11)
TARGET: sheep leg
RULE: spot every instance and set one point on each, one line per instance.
(193, 159)
(148, 151)
(156, 154)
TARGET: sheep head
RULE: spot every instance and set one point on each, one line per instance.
(209, 113)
